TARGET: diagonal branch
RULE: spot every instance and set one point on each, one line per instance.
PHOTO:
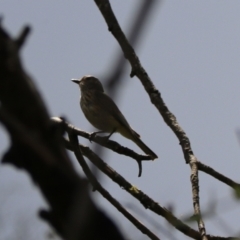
(115, 77)
(144, 199)
(155, 96)
(97, 186)
(110, 144)
(143, 13)
(20, 41)
(204, 168)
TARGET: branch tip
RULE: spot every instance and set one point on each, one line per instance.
(23, 36)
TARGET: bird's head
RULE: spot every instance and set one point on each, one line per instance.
(89, 82)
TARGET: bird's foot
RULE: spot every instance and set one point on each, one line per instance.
(93, 134)
(105, 138)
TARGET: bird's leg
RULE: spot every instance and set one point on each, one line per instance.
(93, 134)
(113, 131)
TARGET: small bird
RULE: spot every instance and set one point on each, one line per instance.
(103, 113)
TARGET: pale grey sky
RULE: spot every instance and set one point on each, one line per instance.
(190, 49)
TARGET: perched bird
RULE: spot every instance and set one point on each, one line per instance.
(103, 113)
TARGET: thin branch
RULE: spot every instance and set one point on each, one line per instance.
(165, 230)
(97, 186)
(143, 13)
(114, 78)
(204, 168)
(20, 41)
(155, 96)
(144, 199)
(114, 146)
(195, 195)
(81, 213)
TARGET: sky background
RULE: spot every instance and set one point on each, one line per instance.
(191, 51)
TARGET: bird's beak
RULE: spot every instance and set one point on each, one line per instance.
(77, 81)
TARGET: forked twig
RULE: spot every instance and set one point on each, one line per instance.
(97, 186)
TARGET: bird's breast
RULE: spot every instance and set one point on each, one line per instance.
(97, 113)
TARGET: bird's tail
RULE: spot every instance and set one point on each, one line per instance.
(143, 146)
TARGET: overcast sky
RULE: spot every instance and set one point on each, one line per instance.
(191, 51)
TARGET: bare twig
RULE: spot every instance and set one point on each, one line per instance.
(144, 199)
(140, 19)
(114, 146)
(155, 96)
(114, 78)
(22, 37)
(195, 195)
(204, 168)
(97, 186)
(75, 218)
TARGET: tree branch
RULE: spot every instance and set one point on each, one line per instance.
(37, 147)
(204, 168)
(97, 186)
(114, 146)
(155, 97)
(20, 41)
(145, 200)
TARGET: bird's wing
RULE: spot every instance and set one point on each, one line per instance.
(113, 109)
